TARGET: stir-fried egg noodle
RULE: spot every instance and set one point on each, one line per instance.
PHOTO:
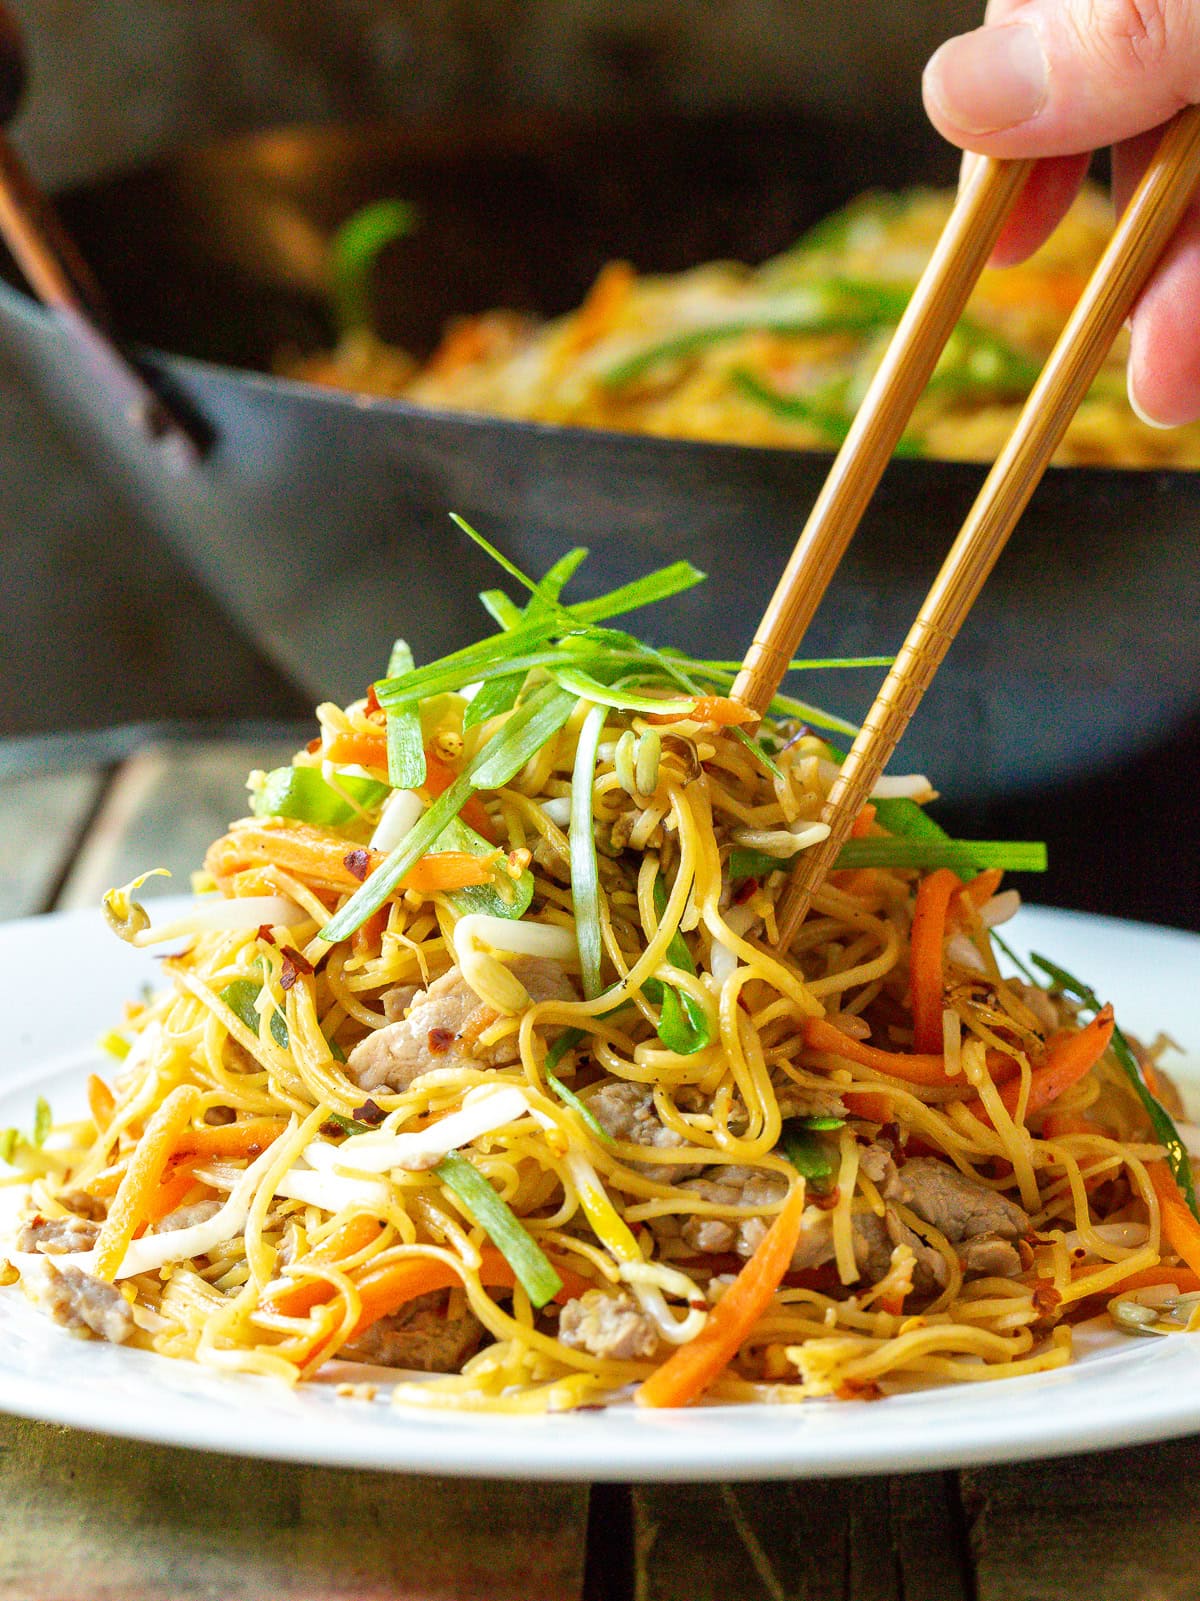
(551, 1118)
(779, 353)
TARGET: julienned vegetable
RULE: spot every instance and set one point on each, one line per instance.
(1164, 1124)
(514, 1242)
(303, 793)
(582, 1070)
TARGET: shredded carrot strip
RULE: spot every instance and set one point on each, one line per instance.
(869, 1105)
(347, 1240)
(912, 1067)
(368, 936)
(718, 710)
(863, 823)
(146, 1167)
(978, 892)
(925, 1068)
(1069, 1058)
(926, 979)
(439, 777)
(1057, 1124)
(446, 870)
(359, 750)
(171, 1192)
(691, 1368)
(1179, 1226)
(225, 1140)
(100, 1102)
(603, 302)
(316, 855)
(464, 343)
(385, 1290)
(323, 858)
(1146, 1278)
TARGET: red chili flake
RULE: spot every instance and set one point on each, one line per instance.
(313, 746)
(440, 1041)
(293, 966)
(848, 1390)
(373, 708)
(744, 891)
(1046, 1298)
(369, 1113)
(358, 862)
(824, 1200)
(265, 934)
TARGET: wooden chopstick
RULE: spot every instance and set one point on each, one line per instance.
(1140, 237)
(928, 321)
(60, 278)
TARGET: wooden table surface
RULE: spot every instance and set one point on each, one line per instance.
(87, 1518)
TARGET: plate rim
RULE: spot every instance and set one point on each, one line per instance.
(718, 1443)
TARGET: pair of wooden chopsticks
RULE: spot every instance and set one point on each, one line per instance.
(962, 252)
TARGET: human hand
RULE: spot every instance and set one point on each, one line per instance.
(1056, 79)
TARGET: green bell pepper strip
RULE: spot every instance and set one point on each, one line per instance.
(304, 794)
(683, 1024)
(808, 1153)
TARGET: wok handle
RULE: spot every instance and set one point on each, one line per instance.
(62, 280)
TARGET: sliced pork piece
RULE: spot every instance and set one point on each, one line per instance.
(876, 1162)
(422, 1336)
(442, 1025)
(990, 1256)
(960, 1207)
(57, 1236)
(84, 1304)
(626, 1111)
(874, 1237)
(608, 1325)
(731, 1186)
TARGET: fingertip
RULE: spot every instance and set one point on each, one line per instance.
(1164, 349)
(1044, 201)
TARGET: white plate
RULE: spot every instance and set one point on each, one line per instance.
(66, 979)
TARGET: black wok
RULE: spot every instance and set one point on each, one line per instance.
(320, 519)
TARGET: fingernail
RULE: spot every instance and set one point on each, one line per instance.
(1142, 416)
(988, 80)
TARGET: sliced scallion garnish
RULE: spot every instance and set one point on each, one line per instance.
(585, 880)
(568, 1097)
(500, 760)
(484, 1206)
(405, 743)
(1163, 1123)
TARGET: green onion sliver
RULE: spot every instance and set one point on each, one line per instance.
(1014, 855)
(504, 755)
(569, 1098)
(405, 743)
(585, 877)
(1164, 1124)
(495, 1217)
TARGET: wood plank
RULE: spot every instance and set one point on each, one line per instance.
(86, 1518)
(41, 818)
(165, 806)
(1124, 1525)
(813, 1540)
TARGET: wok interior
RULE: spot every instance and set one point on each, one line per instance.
(219, 253)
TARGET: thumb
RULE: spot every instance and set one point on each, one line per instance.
(1054, 77)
